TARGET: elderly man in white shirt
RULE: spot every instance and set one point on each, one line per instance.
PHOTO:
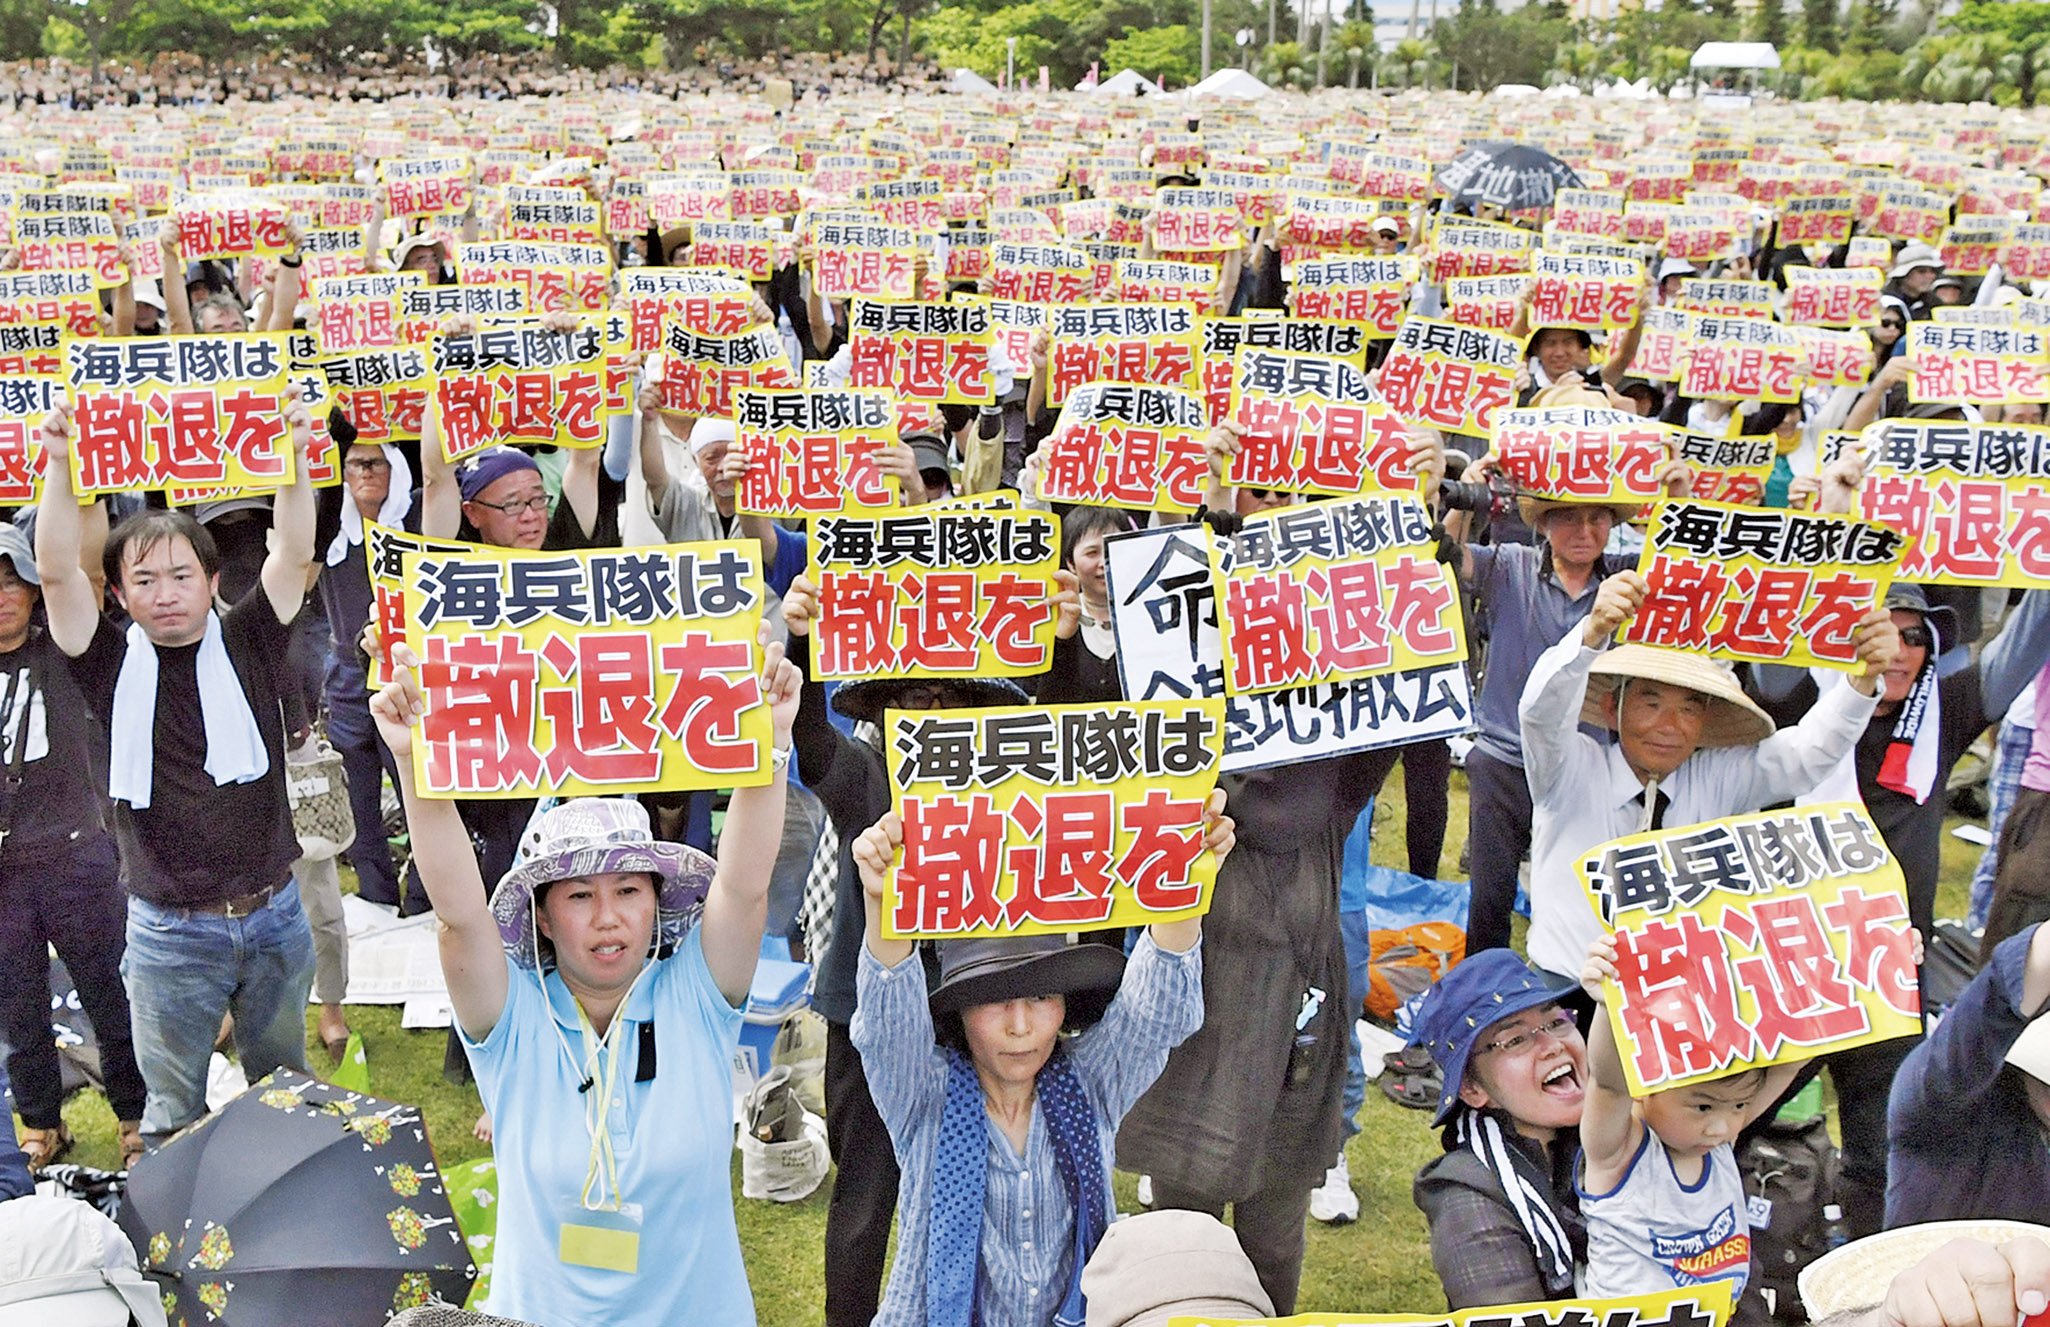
(1690, 747)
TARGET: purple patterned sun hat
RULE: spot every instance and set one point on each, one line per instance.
(598, 836)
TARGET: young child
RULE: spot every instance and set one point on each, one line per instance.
(1659, 1186)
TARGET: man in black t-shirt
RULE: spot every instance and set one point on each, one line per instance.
(59, 874)
(197, 775)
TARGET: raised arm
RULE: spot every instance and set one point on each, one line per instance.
(2016, 654)
(737, 909)
(1219, 835)
(1548, 713)
(70, 604)
(1609, 1128)
(288, 567)
(177, 304)
(472, 956)
(654, 457)
(284, 301)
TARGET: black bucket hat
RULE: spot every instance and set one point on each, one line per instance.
(993, 969)
(867, 698)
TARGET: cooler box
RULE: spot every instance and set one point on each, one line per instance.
(779, 991)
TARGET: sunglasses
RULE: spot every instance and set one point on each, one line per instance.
(1917, 638)
(1892, 326)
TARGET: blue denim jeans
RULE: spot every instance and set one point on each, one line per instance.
(185, 969)
(352, 733)
(1353, 926)
(2003, 781)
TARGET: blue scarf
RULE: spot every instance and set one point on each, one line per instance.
(961, 1183)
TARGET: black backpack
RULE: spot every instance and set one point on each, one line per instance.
(1789, 1169)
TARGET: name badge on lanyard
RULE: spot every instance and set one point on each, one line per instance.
(605, 1239)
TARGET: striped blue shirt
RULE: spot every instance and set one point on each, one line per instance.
(1028, 1222)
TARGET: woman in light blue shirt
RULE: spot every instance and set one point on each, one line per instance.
(1003, 1127)
(598, 994)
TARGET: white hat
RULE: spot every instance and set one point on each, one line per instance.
(1387, 223)
(2031, 1050)
(1677, 267)
(1913, 256)
(709, 430)
(418, 240)
(61, 1261)
(150, 293)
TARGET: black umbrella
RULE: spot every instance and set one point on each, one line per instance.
(1509, 175)
(299, 1202)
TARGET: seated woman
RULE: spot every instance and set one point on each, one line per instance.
(1004, 1128)
(600, 948)
(1505, 1221)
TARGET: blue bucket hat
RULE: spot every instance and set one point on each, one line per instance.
(1482, 991)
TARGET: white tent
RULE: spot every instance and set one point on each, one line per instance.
(1124, 83)
(969, 83)
(1735, 55)
(1230, 83)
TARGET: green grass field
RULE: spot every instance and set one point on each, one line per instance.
(1380, 1264)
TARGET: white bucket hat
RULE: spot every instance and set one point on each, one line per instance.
(61, 1261)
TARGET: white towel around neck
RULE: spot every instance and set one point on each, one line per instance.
(235, 752)
(1841, 783)
(398, 501)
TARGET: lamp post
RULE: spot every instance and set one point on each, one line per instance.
(1206, 39)
(1010, 64)
(1244, 38)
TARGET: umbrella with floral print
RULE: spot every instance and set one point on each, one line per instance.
(298, 1202)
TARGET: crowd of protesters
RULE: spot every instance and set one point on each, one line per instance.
(161, 667)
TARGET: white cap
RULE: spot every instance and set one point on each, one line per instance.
(1677, 267)
(62, 1261)
(1388, 223)
(150, 293)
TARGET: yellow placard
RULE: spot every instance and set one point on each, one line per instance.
(1971, 501)
(1833, 296)
(24, 403)
(1310, 424)
(1752, 941)
(520, 382)
(1050, 819)
(1354, 288)
(702, 374)
(1127, 445)
(933, 353)
(602, 672)
(812, 453)
(554, 276)
(934, 594)
(1727, 469)
(191, 412)
(1760, 584)
(1957, 362)
(1142, 343)
(1582, 453)
(1582, 290)
(1332, 591)
(1706, 1305)
(1450, 377)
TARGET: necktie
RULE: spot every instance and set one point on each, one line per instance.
(1659, 803)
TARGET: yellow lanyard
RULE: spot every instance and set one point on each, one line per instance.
(606, 1050)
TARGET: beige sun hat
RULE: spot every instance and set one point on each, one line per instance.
(1533, 508)
(1856, 1276)
(1733, 718)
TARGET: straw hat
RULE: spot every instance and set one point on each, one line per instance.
(1533, 508)
(1733, 719)
(1856, 1276)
